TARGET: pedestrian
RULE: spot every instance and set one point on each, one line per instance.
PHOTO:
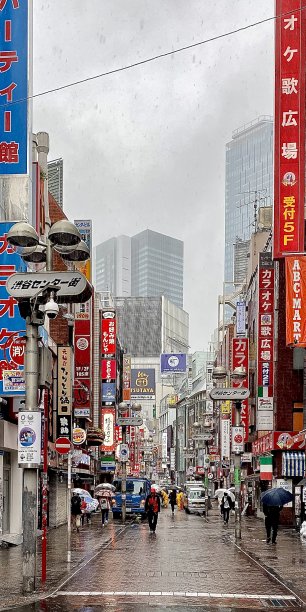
(165, 498)
(76, 511)
(172, 499)
(180, 500)
(226, 505)
(152, 508)
(105, 505)
(271, 521)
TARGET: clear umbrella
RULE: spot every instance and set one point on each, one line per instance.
(220, 493)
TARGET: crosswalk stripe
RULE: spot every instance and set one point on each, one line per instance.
(172, 594)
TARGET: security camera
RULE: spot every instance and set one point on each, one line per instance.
(51, 309)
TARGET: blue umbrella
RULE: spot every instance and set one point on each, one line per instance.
(276, 497)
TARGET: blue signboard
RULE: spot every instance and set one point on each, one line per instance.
(13, 86)
(108, 392)
(173, 362)
(12, 325)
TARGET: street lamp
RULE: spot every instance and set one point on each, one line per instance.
(24, 238)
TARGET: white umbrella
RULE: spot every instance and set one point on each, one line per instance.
(81, 492)
(104, 486)
(220, 493)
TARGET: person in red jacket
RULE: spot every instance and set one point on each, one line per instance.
(152, 508)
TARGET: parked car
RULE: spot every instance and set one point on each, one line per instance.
(195, 500)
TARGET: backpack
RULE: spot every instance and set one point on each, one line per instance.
(103, 503)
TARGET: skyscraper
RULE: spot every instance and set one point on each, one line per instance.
(113, 266)
(157, 266)
(149, 264)
(248, 186)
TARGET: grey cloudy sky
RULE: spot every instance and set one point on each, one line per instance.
(145, 148)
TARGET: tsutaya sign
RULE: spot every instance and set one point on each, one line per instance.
(289, 140)
(296, 301)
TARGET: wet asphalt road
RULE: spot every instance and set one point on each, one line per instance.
(188, 564)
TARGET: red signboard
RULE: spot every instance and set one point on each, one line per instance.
(296, 301)
(108, 337)
(289, 139)
(265, 338)
(241, 359)
(82, 361)
(108, 369)
(278, 440)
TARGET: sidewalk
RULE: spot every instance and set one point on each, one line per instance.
(286, 560)
(90, 540)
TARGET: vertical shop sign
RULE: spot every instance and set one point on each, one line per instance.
(85, 228)
(296, 301)
(12, 332)
(126, 393)
(82, 362)
(241, 359)
(13, 86)
(265, 343)
(289, 139)
(108, 333)
(108, 426)
(64, 386)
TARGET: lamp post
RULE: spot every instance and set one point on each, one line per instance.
(239, 373)
(64, 237)
(123, 407)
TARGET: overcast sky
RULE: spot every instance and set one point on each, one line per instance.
(145, 148)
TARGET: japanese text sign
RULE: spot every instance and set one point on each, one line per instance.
(108, 426)
(296, 301)
(82, 363)
(126, 391)
(64, 386)
(108, 369)
(85, 229)
(241, 359)
(108, 334)
(64, 426)
(265, 342)
(12, 325)
(13, 86)
(289, 143)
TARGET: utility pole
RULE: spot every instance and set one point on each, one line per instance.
(237, 477)
(29, 505)
(123, 481)
(206, 464)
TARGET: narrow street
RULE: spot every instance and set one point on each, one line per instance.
(188, 563)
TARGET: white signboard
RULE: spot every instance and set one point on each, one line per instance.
(29, 439)
(164, 446)
(237, 439)
(225, 438)
(240, 319)
(287, 485)
(29, 284)
(108, 428)
(172, 459)
(264, 420)
(209, 407)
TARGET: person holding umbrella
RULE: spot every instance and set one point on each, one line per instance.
(273, 501)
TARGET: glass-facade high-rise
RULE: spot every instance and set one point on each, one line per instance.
(248, 185)
(113, 266)
(157, 266)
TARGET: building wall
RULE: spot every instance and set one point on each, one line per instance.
(57, 500)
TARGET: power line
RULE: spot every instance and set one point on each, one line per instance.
(153, 58)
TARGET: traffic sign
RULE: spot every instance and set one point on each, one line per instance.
(68, 285)
(62, 445)
(134, 421)
(231, 393)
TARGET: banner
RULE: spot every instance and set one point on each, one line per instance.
(289, 128)
(82, 364)
(241, 319)
(108, 427)
(225, 437)
(173, 362)
(108, 333)
(143, 384)
(241, 359)
(296, 301)
(265, 344)
(64, 386)
(14, 87)
(108, 369)
(126, 392)
(12, 325)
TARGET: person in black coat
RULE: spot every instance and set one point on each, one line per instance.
(271, 521)
(172, 499)
(226, 506)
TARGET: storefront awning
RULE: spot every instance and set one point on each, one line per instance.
(293, 464)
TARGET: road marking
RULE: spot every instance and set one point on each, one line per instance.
(172, 594)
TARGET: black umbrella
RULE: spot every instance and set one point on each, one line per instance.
(276, 497)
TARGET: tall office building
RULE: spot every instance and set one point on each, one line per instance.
(157, 266)
(55, 180)
(149, 264)
(113, 266)
(248, 187)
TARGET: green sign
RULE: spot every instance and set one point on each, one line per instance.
(237, 476)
